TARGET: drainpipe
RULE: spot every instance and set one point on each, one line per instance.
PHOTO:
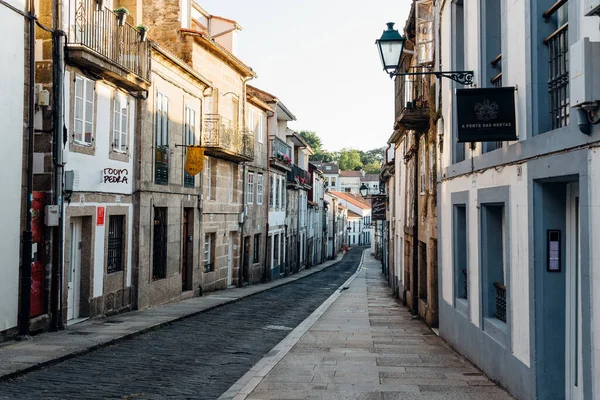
(26, 250)
(244, 205)
(415, 266)
(58, 67)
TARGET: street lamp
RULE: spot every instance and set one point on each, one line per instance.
(391, 46)
(364, 191)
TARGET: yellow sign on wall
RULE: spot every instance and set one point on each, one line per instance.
(194, 161)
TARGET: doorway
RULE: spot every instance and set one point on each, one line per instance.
(187, 249)
(573, 345)
(246, 261)
(558, 320)
(74, 279)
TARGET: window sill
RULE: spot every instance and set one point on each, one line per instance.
(497, 330)
(462, 306)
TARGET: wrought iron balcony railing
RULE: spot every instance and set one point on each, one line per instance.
(465, 284)
(299, 176)
(412, 99)
(222, 138)
(97, 40)
(281, 153)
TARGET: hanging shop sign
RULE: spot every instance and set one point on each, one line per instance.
(194, 160)
(378, 208)
(486, 114)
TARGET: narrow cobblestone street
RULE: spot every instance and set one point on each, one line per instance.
(197, 358)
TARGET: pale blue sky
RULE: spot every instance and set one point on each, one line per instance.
(319, 58)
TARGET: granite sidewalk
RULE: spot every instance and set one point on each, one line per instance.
(364, 345)
(19, 357)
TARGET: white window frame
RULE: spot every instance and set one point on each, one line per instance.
(251, 122)
(162, 120)
(86, 118)
(259, 189)
(120, 134)
(261, 127)
(207, 250)
(189, 130)
(250, 187)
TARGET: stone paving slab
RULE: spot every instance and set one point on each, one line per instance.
(367, 346)
(17, 358)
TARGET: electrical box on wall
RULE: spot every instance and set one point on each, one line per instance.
(591, 7)
(51, 215)
(585, 80)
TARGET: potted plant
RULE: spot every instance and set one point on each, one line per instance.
(100, 5)
(143, 31)
(122, 14)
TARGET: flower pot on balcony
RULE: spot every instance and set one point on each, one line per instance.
(100, 5)
(142, 31)
(121, 14)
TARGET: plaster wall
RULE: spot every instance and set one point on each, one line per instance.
(92, 163)
(518, 249)
(11, 153)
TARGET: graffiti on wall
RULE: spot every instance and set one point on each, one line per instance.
(115, 175)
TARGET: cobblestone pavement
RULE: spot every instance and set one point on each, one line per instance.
(366, 346)
(197, 358)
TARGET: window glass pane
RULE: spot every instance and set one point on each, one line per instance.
(89, 111)
(88, 133)
(79, 87)
(89, 91)
(78, 130)
(79, 109)
(123, 142)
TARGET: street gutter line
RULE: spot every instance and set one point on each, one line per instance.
(251, 379)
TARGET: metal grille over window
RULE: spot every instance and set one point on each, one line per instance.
(500, 301)
(558, 65)
(159, 256)
(115, 244)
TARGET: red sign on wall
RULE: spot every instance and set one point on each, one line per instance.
(100, 216)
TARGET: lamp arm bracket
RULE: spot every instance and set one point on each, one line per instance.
(462, 77)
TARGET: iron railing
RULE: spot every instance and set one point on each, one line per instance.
(299, 176)
(159, 251)
(115, 244)
(500, 301)
(221, 133)
(414, 90)
(279, 148)
(247, 148)
(98, 30)
(558, 76)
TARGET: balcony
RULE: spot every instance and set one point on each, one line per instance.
(281, 154)
(221, 138)
(298, 176)
(412, 107)
(96, 42)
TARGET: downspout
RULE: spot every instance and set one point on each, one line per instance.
(59, 140)
(24, 299)
(244, 205)
(415, 266)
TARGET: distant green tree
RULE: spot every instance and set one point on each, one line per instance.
(369, 156)
(313, 140)
(372, 167)
(349, 159)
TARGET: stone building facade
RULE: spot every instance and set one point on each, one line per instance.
(257, 193)
(414, 214)
(168, 241)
